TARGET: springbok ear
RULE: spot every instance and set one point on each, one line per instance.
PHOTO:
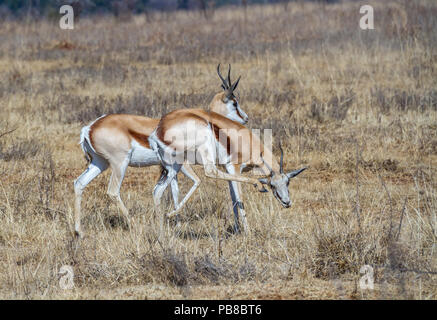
(294, 173)
(263, 190)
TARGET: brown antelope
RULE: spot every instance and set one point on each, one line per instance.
(121, 140)
(208, 136)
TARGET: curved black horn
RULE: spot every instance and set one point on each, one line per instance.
(281, 163)
(229, 76)
(225, 85)
(234, 86)
(294, 173)
(265, 163)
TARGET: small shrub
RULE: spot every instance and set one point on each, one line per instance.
(335, 109)
(46, 183)
(20, 150)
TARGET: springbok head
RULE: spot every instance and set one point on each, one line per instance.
(226, 103)
(279, 181)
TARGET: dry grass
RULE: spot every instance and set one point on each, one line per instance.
(358, 107)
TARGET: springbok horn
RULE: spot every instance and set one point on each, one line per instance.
(281, 163)
(234, 86)
(265, 163)
(294, 173)
(229, 76)
(225, 85)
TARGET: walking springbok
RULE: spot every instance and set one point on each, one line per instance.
(207, 136)
(121, 140)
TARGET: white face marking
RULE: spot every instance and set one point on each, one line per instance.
(235, 112)
(279, 185)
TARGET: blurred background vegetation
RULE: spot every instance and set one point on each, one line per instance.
(42, 8)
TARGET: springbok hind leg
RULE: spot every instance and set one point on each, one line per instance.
(174, 192)
(163, 183)
(97, 166)
(189, 172)
(159, 189)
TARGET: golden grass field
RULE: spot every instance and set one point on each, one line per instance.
(358, 107)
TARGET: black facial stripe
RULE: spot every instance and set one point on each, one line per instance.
(239, 114)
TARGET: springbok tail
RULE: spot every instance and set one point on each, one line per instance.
(85, 141)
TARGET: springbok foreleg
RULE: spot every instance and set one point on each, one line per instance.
(241, 208)
(233, 191)
(237, 202)
(211, 171)
(118, 171)
(207, 154)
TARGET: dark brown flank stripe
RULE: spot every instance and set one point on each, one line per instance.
(140, 138)
(217, 136)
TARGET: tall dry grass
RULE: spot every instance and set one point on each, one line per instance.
(358, 107)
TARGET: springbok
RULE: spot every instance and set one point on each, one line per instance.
(121, 140)
(208, 136)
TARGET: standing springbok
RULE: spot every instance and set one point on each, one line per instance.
(205, 137)
(121, 140)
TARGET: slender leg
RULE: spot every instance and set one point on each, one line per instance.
(118, 172)
(210, 171)
(189, 172)
(175, 190)
(175, 193)
(235, 194)
(159, 189)
(97, 166)
(173, 184)
(232, 190)
(208, 159)
(241, 207)
(163, 183)
(237, 202)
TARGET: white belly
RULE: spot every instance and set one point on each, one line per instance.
(142, 157)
